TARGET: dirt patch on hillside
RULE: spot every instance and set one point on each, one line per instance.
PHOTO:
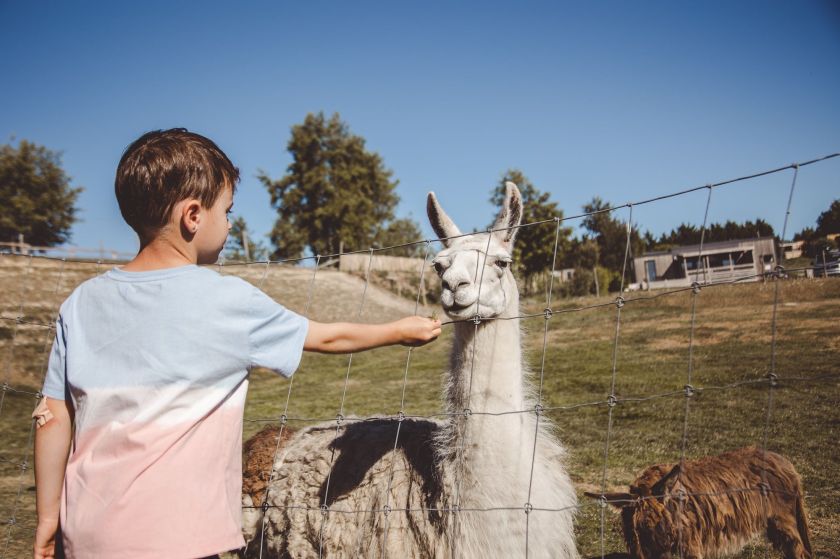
(326, 294)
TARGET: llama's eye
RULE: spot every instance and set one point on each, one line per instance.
(439, 268)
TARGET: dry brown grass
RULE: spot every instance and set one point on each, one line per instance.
(732, 343)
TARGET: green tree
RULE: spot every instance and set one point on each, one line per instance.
(37, 199)
(239, 236)
(336, 195)
(401, 232)
(816, 240)
(610, 233)
(687, 234)
(534, 247)
(828, 222)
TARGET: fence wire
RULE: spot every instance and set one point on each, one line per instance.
(774, 380)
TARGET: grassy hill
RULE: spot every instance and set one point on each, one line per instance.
(731, 357)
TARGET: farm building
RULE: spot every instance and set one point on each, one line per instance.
(793, 249)
(745, 259)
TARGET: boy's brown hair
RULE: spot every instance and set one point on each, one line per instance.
(163, 167)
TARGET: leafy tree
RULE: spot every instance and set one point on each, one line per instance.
(610, 234)
(731, 230)
(583, 253)
(534, 247)
(400, 232)
(828, 222)
(687, 234)
(37, 199)
(237, 239)
(806, 234)
(336, 195)
(816, 240)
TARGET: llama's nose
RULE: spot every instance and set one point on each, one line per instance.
(454, 284)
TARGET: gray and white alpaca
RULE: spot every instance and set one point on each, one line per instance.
(454, 488)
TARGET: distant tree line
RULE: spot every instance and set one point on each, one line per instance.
(816, 240)
(687, 234)
(337, 196)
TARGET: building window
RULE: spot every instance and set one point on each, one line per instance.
(693, 263)
(720, 260)
(650, 270)
(743, 257)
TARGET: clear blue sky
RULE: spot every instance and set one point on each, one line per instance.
(625, 100)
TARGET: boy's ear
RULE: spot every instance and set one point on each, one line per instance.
(190, 216)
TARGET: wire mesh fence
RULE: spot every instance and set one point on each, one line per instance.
(624, 381)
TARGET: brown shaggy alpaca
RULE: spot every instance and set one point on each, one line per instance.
(714, 506)
(258, 460)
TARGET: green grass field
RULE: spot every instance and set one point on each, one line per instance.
(732, 346)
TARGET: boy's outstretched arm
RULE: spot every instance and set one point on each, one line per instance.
(52, 446)
(349, 337)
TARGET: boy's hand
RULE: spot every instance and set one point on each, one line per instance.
(44, 547)
(416, 331)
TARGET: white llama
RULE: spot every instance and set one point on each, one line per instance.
(457, 488)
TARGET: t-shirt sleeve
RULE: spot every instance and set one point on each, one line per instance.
(54, 383)
(275, 335)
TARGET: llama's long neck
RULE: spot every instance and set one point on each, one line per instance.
(487, 379)
(486, 366)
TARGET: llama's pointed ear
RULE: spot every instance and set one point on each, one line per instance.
(618, 500)
(441, 223)
(510, 216)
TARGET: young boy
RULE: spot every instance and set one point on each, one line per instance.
(149, 371)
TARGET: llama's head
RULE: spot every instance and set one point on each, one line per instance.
(475, 269)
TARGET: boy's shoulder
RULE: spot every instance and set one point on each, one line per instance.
(203, 281)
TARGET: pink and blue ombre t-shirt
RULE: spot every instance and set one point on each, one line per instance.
(156, 366)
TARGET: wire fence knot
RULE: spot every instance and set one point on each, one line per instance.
(773, 378)
(476, 319)
(283, 419)
(528, 508)
(619, 301)
(548, 313)
(779, 272)
(338, 419)
(538, 409)
(324, 510)
(265, 507)
(602, 501)
(695, 287)
(612, 401)
(689, 391)
(386, 510)
(467, 412)
(401, 416)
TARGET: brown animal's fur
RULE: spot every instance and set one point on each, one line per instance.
(258, 453)
(713, 506)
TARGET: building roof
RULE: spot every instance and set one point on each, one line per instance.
(709, 248)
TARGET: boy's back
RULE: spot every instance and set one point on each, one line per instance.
(152, 361)
(156, 367)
